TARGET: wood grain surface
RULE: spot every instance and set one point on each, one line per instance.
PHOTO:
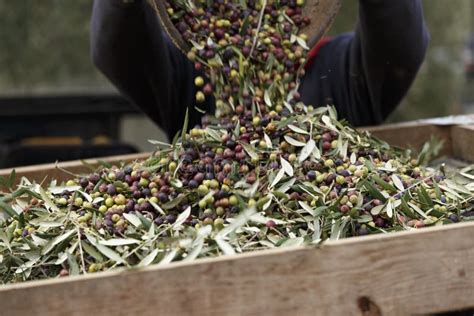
(424, 271)
(48, 172)
(322, 13)
(463, 142)
(408, 135)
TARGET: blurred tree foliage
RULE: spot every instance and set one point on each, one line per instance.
(44, 47)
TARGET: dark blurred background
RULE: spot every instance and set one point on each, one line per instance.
(54, 105)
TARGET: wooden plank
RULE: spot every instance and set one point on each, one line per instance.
(425, 271)
(413, 135)
(462, 142)
(407, 134)
(51, 171)
(410, 135)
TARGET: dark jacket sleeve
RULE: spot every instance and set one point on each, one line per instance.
(130, 48)
(366, 74)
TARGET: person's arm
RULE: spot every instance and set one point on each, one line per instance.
(129, 47)
(366, 74)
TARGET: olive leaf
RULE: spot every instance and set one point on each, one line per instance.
(397, 182)
(307, 150)
(293, 141)
(149, 258)
(286, 167)
(298, 130)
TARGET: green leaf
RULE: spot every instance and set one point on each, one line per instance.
(149, 258)
(406, 209)
(397, 182)
(168, 258)
(197, 45)
(268, 141)
(250, 150)
(60, 189)
(4, 238)
(104, 163)
(285, 122)
(182, 218)
(287, 167)
(73, 266)
(8, 209)
(364, 219)
(157, 207)
(11, 179)
(293, 242)
(47, 201)
(437, 190)
(353, 158)
(267, 99)
(92, 251)
(369, 165)
(307, 208)
(173, 203)
(389, 209)
(278, 177)
(3, 182)
(383, 184)
(298, 130)
(338, 228)
(245, 25)
(145, 221)
(418, 210)
(327, 121)
(175, 141)
(373, 191)
(342, 148)
(238, 222)
(119, 242)
(134, 220)
(86, 196)
(307, 150)
(50, 245)
(317, 152)
(260, 219)
(319, 210)
(157, 142)
(226, 248)
(377, 209)
(332, 112)
(302, 43)
(270, 63)
(286, 185)
(194, 253)
(109, 253)
(185, 125)
(424, 197)
(293, 142)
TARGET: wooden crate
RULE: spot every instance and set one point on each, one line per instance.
(418, 272)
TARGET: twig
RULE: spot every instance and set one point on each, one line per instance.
(66, 171)
(83, 266)
(258, 28)
(414, 185)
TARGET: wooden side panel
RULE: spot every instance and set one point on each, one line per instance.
(463, 142)
(425, 271)
(414, 135)
(408, 135)
(48, 172)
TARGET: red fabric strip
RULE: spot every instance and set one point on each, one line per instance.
(315, 50)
